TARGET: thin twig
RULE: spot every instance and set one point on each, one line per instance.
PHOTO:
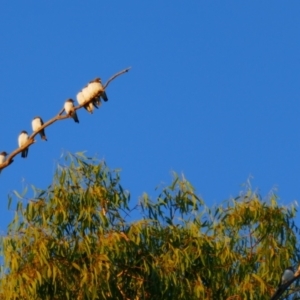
(9, 159)
(115, 76)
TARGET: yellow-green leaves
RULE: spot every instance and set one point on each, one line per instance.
(80, 239)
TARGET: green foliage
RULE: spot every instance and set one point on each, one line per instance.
(75, 240)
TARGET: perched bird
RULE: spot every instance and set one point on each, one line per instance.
(2, 157)
(36, 123)
(82, 97)
(70, 111)
(103, 93)
(288, 274)
(97, 89)
(92, 94)
(23, 138)
(286, 280)
(86, 93)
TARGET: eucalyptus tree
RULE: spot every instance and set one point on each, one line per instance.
(82, 238)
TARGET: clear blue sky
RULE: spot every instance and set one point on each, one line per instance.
(213, 92)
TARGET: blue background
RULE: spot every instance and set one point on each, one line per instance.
(213, 92)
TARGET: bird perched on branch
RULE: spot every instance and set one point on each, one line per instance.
(287, 279)
(2, 157)
(287, 275)
(22, 140)
(92, 94)
(97, 90)
(70, 111)
(36, 123)
(83, 97)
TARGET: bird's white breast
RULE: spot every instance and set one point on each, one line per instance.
(2, 159)
(36, 124)
(86, 93)
(80, 98)
(23, 138)
(99, 86)
(68, 107)
(96, 87)
(92, 90)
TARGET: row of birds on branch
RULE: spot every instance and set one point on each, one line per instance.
(90, 97)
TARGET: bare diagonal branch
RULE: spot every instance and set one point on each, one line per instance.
(59, 117)
(115, 76)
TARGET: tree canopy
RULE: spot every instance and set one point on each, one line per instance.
(82, 238)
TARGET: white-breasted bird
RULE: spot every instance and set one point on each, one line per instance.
(97, 91)
(70, 111)
(36, 123)
(102, 92)
(2, 157)
(22, 140)
(92, 94)
(86, 93)
(82, 97)
(287, 275)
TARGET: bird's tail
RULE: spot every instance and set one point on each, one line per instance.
(43, 136)
(24, 153)
(89, 107)
(104, 96)
(75, 117)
